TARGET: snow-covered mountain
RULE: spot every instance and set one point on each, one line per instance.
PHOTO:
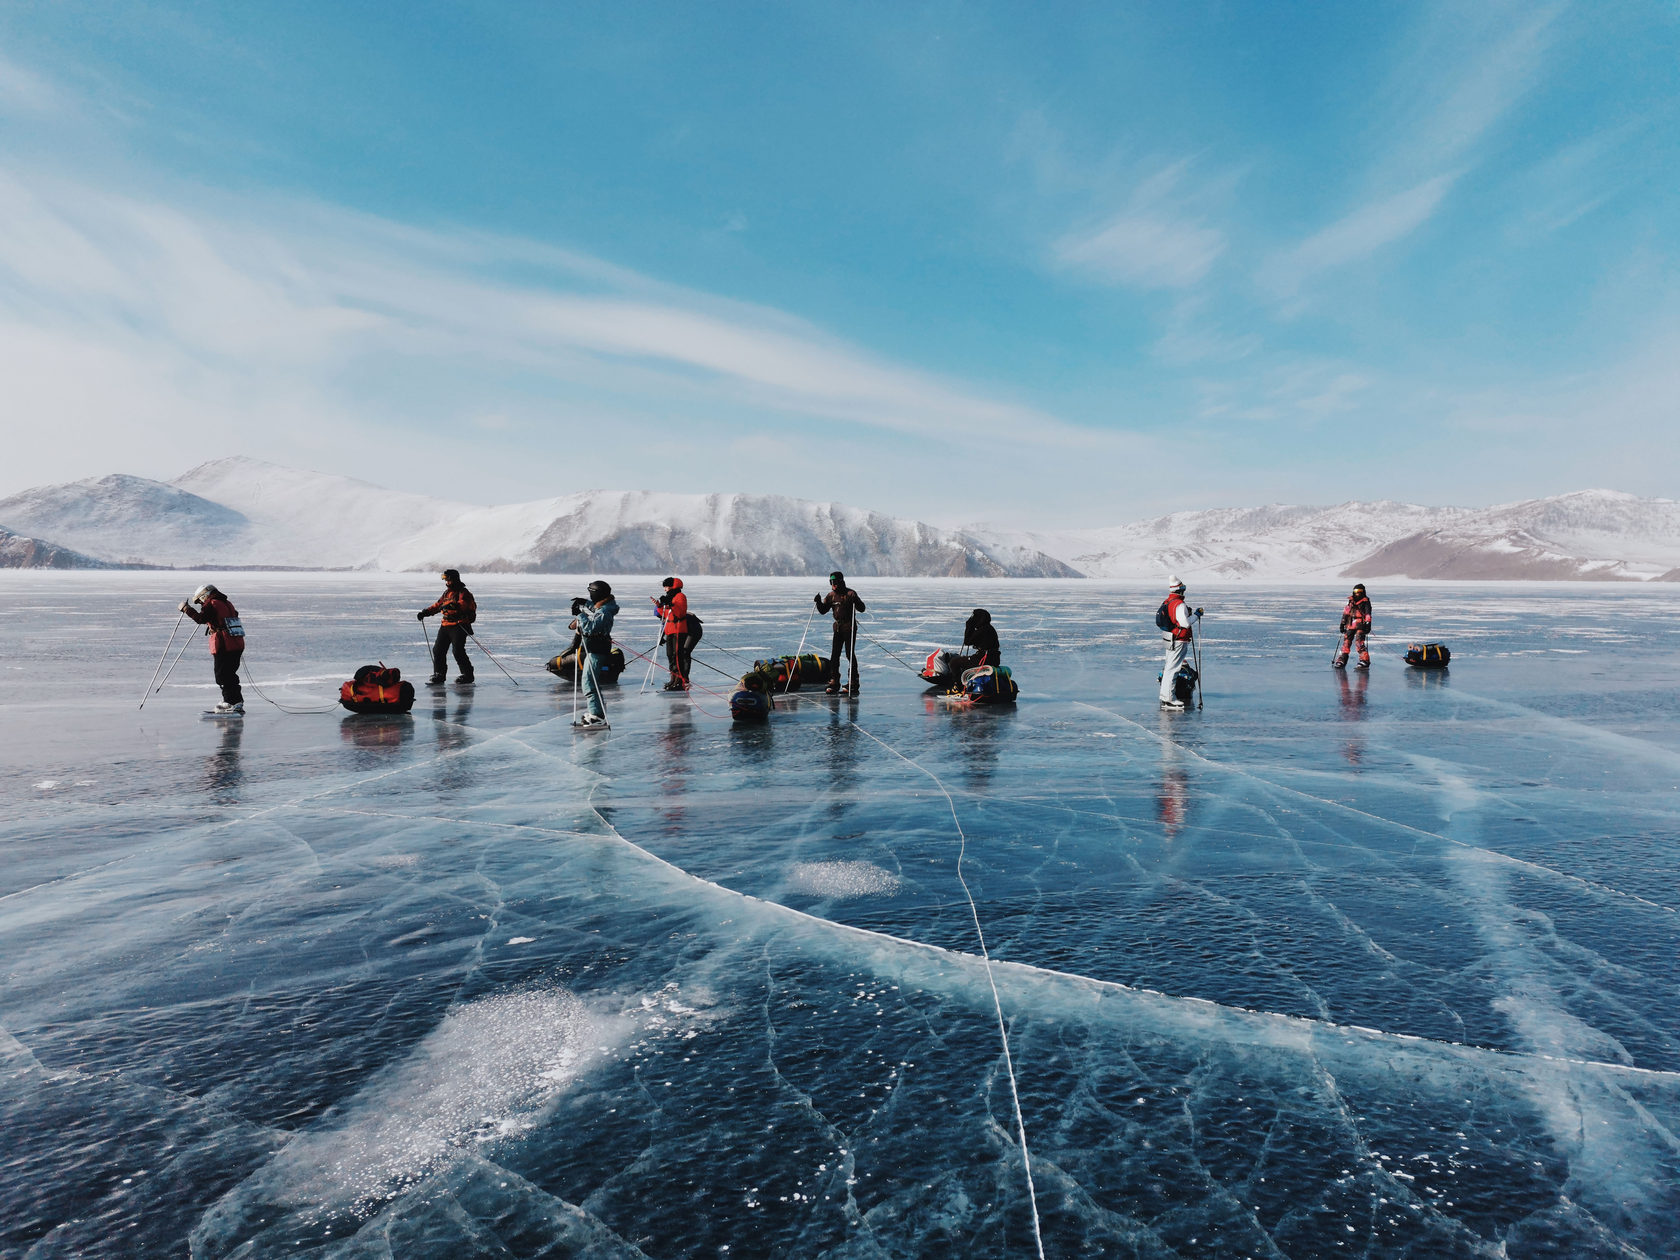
(242, 513)
(1591, 534)
(237, 512)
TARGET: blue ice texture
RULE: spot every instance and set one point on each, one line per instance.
(1342, 964)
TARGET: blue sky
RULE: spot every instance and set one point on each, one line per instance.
(1030, 264)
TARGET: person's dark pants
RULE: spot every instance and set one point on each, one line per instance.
(226, 665)
(685, 654)
(674, 657)
(845, 640)
(451, 639)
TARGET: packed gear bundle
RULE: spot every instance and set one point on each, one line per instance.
(750, 701)
(989, 684)
(609, 667)
(377, 689)
(1184, 684)
(1428, 655)
(790, 673)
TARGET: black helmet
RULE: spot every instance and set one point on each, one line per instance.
(837, 578)
(599, 590)
(1359, 588)
(982, 616)
(669, 582)
(452, 576)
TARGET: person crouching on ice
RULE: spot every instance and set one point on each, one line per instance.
(1356, 624)
(845, 604)
(459, 610)
(220, 620)
(672, 608)
(1178, 642)
(595, 622)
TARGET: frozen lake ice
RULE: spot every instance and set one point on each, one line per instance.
(1377, 965)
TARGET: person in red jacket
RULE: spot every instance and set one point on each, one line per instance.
(1179, 616)
(459, 610)
(672, 608)
(1356, 625)
(220, 620)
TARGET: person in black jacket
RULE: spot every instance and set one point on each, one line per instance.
(980, 638)
(845, 603)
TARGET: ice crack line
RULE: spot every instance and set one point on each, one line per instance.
(1539, 867)
(985, 957)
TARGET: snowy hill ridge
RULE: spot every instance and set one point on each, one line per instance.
(1590, 535)
(244, 513)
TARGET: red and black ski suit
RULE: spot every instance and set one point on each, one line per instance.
(679, 648)
(1356, 625)
(220, 620)
(459, 610)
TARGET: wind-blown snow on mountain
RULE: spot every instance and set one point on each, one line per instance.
(234, 513)
(1587, 535)
(245, 513)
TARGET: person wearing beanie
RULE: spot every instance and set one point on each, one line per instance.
(459, 610)
(1178, 619)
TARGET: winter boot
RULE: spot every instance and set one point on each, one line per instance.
(436, 680)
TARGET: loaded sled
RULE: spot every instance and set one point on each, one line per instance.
(377, 689)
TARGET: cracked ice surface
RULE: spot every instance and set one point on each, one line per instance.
(1378, 965)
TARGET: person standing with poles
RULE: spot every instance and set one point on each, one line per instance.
(846, 604)
(594, 622)
(220, 620)
(672, 607)
(459, 610)
(1356, 624)
(1175, 617)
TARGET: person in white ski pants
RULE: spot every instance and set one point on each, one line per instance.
(1178, 641)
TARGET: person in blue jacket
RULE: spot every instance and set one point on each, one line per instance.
(594, 621)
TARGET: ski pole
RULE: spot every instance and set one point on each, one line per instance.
(187, 642)
(493, 660)
(788, 686)
(163, 658)
(1196, 644)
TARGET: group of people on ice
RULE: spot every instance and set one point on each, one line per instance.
(592, 658)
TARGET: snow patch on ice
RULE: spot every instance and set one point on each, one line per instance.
(840, 880)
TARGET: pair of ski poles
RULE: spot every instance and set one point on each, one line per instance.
(481, 648)
(150, 689)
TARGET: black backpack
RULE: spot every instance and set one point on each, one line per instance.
(1163, 619)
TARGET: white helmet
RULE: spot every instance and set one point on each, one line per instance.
(203, 593)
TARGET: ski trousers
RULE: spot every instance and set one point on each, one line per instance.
(451, 638)
(845, 640)
(226, 665)
(1349, 638)
(1177, 650)
(592, 685)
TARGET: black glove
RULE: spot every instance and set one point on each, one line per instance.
(1198, 612)
(817, 600)
(469, 631)
(419, 616)
(578, 603)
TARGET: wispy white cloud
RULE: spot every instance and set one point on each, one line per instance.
(1155, 242)
(119, 310)
(1461, 74)
(1356, 236)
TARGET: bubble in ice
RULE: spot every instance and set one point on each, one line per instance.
(837, 880)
